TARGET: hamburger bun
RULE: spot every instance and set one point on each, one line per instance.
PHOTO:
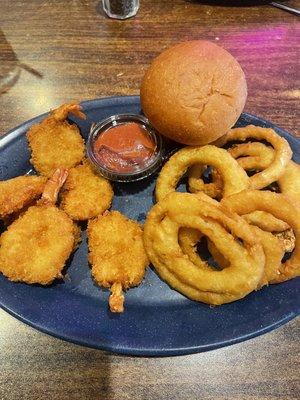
(194, 92)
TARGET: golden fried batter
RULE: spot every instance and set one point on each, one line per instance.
(287, 238)
(54, 142)
(86, 194)
(35, 247)
(117, 254)
(17, 193)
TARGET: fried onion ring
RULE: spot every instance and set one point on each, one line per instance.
(265, 221)
(188, 239)
(282, 154)
(246, 260)
(217, 256)
(212, 189)
(281, 207)
(273, 249)
(234, 177)
(260, 157)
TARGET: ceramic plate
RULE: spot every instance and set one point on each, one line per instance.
(157, 320)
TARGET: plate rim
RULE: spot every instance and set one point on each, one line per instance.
(152, 352)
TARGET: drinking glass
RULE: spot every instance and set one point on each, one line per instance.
(121, 9)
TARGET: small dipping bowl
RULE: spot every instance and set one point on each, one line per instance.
(125, 148)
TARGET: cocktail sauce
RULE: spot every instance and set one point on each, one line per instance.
(124, 148)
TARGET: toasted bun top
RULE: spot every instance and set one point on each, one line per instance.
(194, 92)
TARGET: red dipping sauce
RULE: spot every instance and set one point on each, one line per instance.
(126, 147)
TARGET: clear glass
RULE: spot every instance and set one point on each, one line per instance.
(121, 9)
(154, 161)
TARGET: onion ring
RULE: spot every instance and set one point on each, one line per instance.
(213, 189)
(260, 157)
(265, 221)
(287, 238)
(234, 177)
(283, 152)
(281, 207)
(213, 287)
(289, 182)
(273, 247)
(250, 156)
(188, 239)
(217, 256)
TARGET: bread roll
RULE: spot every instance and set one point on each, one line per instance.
(194, 92)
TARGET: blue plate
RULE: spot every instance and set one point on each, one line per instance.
(157, 320)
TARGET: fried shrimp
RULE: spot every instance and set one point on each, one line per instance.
(86, 194)
(117, 255)
(54, 142)
(35, 247)
(17, 193)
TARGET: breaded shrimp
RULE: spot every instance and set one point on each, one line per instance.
(54, 142)
(85, 194)
(36, 246)
(17, 193)
(117, 255)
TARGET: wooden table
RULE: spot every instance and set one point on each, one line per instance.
(68, 50)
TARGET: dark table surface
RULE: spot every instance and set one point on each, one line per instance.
(56, 51)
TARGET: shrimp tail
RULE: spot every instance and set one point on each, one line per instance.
(61, 113)
(116, 299)
(53, 186)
